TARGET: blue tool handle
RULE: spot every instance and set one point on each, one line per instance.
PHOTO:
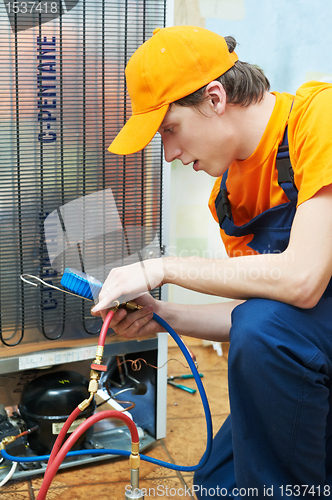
(183, 387)
(190, 375)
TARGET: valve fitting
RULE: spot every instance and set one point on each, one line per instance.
(132, 305)
(7, 440)
(134, 493)
(82, 406)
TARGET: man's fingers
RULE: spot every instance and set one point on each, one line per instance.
(118, 317)
(97, 313)
(130, 324)
(103, 303)
(136, 328)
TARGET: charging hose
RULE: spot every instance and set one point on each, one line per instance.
(104, 328)
(58, 454)
(74, 415)
(204, 399)
(49, 475)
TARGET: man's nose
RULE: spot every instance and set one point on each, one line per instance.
(171, 153)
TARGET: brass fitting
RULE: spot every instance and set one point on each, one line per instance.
(7, 440)
(135, 448)
(94, 378)
(134, 461)
(82, 406)
(94, 375)
(132, 305)
(134, 493)
(134, 457)
(99, 354)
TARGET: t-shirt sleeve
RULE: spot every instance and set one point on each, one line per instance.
(312, 145)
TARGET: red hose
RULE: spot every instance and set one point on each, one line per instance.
(73, 416)
(57, 445)
(58, 454)
(104, 328)
(50, 473)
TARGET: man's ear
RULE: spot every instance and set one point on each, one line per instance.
(216, 96)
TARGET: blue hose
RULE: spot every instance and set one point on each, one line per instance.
(42, 458)
(125, 453)
(205, 403)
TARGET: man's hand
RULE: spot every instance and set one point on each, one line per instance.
(129, 282)
(134, 324)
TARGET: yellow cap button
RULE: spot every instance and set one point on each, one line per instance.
(156, 30)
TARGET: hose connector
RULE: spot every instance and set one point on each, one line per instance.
(134, 458)
(134, 493)
(132, 305)
(97, 368)
(7, 440)
(94, 381)
(83, 406)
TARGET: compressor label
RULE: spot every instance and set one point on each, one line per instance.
(56, 428)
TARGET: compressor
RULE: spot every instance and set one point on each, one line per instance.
(47, 402)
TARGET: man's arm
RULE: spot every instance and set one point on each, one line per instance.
(297, 276)
(209, 321)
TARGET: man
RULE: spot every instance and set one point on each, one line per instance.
(217, 113)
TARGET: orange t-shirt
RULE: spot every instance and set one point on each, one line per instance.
(252, 184)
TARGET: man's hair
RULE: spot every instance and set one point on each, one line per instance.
(244, 83)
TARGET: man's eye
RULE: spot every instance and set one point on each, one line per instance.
(168, 129)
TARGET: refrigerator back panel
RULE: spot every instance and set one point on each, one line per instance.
(65, 201)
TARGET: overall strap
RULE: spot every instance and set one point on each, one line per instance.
(285, 169)
(285, 181)
(223, 207)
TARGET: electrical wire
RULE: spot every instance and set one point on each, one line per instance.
(136, 364)
(120, 401)
(10, 474)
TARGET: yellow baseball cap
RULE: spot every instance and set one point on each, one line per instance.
(172, 64)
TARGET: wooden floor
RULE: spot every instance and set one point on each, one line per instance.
(184, 444)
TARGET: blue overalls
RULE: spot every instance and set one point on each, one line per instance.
(277, 440)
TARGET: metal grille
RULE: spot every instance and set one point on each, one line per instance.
(63, 99)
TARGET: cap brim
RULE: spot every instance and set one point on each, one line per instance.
(138, 132)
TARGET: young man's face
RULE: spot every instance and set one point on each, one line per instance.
(199, 137)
